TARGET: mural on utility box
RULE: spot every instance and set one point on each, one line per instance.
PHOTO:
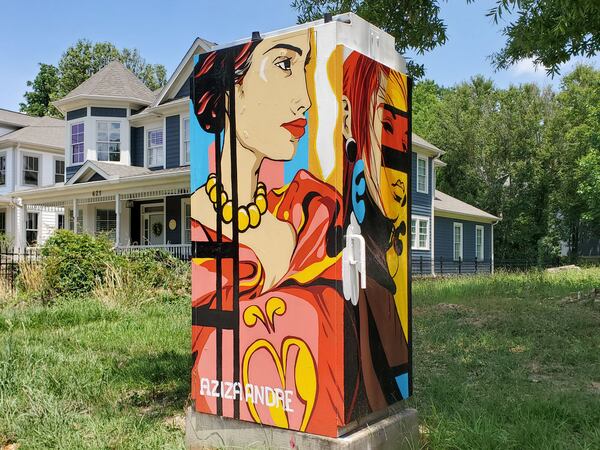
(277, 336)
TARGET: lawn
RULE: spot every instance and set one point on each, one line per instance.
(510, 361)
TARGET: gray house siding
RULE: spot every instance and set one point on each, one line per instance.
(137, 146)
(172, 142)
(184, 91)
(108, 112)
(421, 206)
(444, 246)
(70, 171)
(76, 113)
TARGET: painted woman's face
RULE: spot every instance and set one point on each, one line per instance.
(389, 145)
(273, 97)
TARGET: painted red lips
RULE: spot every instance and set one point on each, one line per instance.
(296, 127)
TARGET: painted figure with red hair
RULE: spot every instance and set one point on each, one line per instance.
(375, 127)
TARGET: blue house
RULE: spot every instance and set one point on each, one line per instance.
(448, 235)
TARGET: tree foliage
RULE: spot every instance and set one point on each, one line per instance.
(414, 25)
(549, 31)
(77, 64)
(528, 155)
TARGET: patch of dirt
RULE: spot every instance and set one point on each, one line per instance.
(177, 421)
(591, 297)
(452, 307)
(595, 387)
(517, 349)
(10, 446)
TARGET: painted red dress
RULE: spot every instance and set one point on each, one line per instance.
(291, 364)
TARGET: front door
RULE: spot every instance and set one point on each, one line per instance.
(153, 225)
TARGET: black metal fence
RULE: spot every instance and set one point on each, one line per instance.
(448, 266)
(11, 262)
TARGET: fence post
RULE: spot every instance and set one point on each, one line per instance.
(459, 265)
(421, 264)
(441, 264)
(476, 267)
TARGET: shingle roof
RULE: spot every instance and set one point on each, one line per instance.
(418, 140)
(46, 131)
(447, 203)
(120, 170)
(114, 80)
(16, 118)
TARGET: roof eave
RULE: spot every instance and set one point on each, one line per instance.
(48, 193)
(60, 104)
(488, 218)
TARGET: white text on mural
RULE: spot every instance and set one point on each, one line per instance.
(251, 393)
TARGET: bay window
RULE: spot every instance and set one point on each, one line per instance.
(77, 153)
(108, 141)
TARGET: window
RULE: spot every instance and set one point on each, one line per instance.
(187, 221)
(59, 171)
(31, 228)
(106, 221)
(420, 233)
(60, 222)
(155, 148)
(185, 156)
(458, 239)
(31, 170)
(77, 143)
(2, 169)
(422, 170)
(108, 141)
(479, 251)
(2, 222)
(79, 221)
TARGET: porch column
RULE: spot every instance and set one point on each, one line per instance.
(75, 215)
(118, 217)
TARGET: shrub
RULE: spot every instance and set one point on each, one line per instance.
(73, 263)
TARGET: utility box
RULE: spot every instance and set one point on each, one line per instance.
(300, 172)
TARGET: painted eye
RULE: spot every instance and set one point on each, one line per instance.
(284, 64)
(388, 127)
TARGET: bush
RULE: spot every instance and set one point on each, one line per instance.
(73, 263)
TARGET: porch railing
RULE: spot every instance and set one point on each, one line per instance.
(180, 251)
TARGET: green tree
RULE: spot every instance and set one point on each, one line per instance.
(549, 31)
(493, 140)
(44, 89)
(572, 140)
(414, 25)
(77, 64)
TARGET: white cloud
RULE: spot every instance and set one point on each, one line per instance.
(526, 67)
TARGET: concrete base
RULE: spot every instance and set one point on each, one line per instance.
(400, 430)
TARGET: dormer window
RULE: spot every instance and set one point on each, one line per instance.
(108, 141)
(77, 143)
(155, 148)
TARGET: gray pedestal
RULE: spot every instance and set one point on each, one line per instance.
(399, 430)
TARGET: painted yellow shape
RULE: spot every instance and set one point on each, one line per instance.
(311, 272)
(305, 376)
(275, 305)
(397, 91)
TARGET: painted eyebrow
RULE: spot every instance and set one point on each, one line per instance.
(287, 47)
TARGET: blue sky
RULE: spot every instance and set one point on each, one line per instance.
(39, 31)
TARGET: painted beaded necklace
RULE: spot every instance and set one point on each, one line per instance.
(249, 216)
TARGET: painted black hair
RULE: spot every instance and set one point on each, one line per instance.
(211, 80)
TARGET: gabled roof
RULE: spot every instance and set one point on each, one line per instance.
(446, 205)
(422, 143)
(46, 132)
(113, 81)
(106, 170)
(16, 118)
(183, 70)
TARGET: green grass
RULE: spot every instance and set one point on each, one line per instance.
(499, 362)
(509, 361)
(80, 375)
